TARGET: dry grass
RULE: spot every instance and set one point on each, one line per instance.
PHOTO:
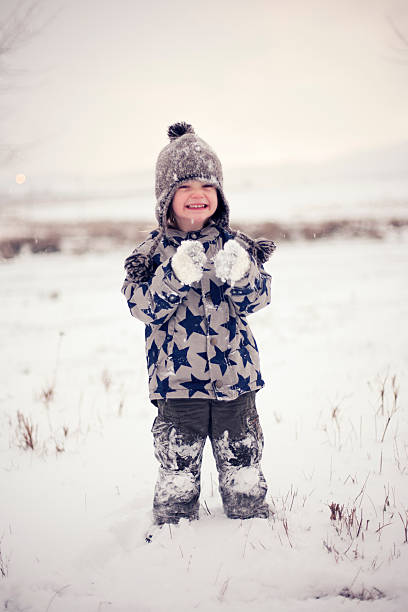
(363, 595)
(27, 432)
(10, 247)
(81, 237)
(4, 563)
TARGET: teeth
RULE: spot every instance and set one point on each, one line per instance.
(196, 205)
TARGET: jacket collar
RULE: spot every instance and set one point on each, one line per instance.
(208, 233)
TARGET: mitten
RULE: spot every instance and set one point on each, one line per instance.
(188, 261)
(232, 263)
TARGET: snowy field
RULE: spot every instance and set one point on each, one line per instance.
(74, 509)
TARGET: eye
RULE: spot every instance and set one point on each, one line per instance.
(209, 187)
(183, 187)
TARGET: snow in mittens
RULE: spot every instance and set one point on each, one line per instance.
(75, 508)
(188, 261)
(232, 263)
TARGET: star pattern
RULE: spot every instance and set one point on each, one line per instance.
(244, 304)
(161, 303)
(148, 312)
(163, 386)
(165, 328)
(176, 240)
(227, 236)
(167, 271)
(166, 242)
(221, 359)
(180, 357)
(205, 357)
(129, 301)
(245, 356)
(160, 320)
(221, 394)
(263, 285)
(192, 324)
(246, 341)
(242, 384)
(131, 304)
(196, 385)
(231, 325)
(198, 291)
(242, 290)
(199, 317)
(156, 260)
(211, 331)
(252, 307)
(259, 381)
(217, 292)
(152, 354)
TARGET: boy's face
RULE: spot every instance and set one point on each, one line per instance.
(193, 203)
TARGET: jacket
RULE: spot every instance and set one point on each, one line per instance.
(198, 340)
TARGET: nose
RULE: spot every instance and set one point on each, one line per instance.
(197, 192)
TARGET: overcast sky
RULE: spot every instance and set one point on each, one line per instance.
(260, 80)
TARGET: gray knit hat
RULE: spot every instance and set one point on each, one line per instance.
(187, 157)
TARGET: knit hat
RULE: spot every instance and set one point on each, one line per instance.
(187, 157)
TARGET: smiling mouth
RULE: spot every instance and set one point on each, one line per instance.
(196, 206)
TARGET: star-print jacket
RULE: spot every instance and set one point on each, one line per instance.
(198, 341)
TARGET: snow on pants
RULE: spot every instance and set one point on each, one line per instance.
(180, 431)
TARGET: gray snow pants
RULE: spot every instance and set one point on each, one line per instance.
(180, 431)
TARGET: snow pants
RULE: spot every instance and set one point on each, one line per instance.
(180, 431)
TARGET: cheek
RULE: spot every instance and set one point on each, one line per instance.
(214, 201)
(175, 205)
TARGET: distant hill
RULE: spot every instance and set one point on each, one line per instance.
(387, 162)
(383, 163)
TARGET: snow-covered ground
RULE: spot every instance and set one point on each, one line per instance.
(74, 510)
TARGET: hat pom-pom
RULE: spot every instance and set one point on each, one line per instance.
(179, 129)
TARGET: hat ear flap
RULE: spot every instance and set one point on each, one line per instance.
(221, 211)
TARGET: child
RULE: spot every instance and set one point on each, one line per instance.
(193, 282)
